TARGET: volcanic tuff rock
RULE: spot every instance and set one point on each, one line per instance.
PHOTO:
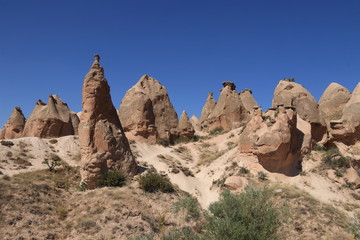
(52, 120)
(229, 112)
(146, 110)
(333, 101)
(195, 122)
(206, 110)
(273, 141)
(248, 100)
(104, 146)
(288, 93)
(351, 114)
(14, 126)
(185, 128)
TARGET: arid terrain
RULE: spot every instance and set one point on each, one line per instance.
(56, 166)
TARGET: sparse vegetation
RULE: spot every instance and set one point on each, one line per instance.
(152, 182)
(189, 206)
(208, 157)
(112, 179)
(51, 164)
(262, 176)
(163, 142)
(355, 225)
(244, 171)
(333, 159)
(7, 143)
(216, 131)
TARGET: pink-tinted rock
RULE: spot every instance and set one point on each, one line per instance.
(104, 146)
(14, 126)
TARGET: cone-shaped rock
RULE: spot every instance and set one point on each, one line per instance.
(54, 119)
(146, 110)
(248, 100)
(14, 126)
(229, 112)
(104, 146)
(275, 142)
(195, 123)
(289, 93)
(209, 106)
(185, 128)
(333, 101)
(351, 115)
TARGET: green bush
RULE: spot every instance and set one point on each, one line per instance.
(249, 215)
(112, 179)
(163, 142)
(244, 170)
(333, 159)
(216, 131)
(355, 225)
(262, 176)
(189, 206)
(152, 182)
(185, 233)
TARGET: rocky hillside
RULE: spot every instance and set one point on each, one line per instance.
(140, 172)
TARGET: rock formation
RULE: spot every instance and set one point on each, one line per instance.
(248, 100)
(273, 141)
(351, 116)
(195, 122)
(206, 110)
(14, 126)
(54, 119)
(146, 110)
(104, 146)
(185, 127)
(288, 93)
(333, 101)
(229, 112)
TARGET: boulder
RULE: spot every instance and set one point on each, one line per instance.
(206, 110)
(229, 112)
(248, 100)
(103, 144)
(14, 126)
(53, 119)
(289, 93)
(235, 183)
(185, 127)
(146, 110)
(273, 141)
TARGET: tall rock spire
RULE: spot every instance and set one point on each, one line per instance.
(104, 146)
(14, 126)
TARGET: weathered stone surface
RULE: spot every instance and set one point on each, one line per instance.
(104, 146)
(229, 112)
(288, 93)
(195, 122)
(146, 110)
(333, 101)
(54, 119)
(14, 126)
(351, 116)
(209, 106)
(248, 100)
(273, 141)
(185, 128)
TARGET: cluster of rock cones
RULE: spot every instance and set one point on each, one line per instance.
(278, 137)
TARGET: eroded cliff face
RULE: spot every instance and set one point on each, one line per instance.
(274, 141)
(146, 111)
(104, 146)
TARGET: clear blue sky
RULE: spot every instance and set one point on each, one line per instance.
(47, 47)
